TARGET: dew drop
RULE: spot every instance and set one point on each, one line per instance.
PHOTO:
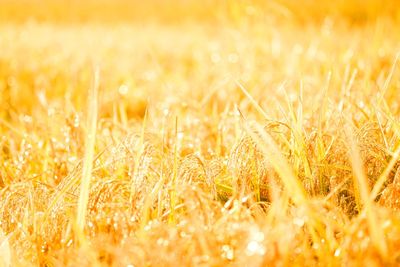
(227, 252)
(337, 252)
(123, 89)
(254, 248)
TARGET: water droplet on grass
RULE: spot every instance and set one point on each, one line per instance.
(227, 252)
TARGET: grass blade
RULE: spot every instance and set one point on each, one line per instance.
(89, 153)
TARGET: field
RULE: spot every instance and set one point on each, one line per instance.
(199, 133)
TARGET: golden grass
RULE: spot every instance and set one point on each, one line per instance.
(229, 133)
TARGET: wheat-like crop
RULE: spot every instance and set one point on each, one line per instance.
(199, 133)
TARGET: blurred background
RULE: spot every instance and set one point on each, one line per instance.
(159, 52)
(176, 11)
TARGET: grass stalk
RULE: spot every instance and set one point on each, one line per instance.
(89, 153)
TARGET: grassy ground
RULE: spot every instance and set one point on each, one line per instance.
(236, 133)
